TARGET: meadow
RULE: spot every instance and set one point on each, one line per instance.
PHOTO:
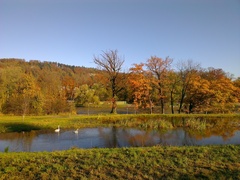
(208, 162)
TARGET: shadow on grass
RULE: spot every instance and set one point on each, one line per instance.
(19, 127)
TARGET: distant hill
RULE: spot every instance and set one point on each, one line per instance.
(35, 87)
(81, 75)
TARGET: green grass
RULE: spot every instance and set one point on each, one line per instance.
(209, 162)
(143, 121)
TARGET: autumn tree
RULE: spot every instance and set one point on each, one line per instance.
(223, 91)
(237, 92)
(198, 95)
(50, 81)
(159, 68)
(68, 84)
(85, 96)
(173, 88)
(236, 83)
(187, 73)
(9, 75)
(111, 63)
(26, 97)
(29, 94)
(100, 91)
(141, 88)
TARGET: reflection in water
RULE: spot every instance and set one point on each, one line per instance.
(49, 140)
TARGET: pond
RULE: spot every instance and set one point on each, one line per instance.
(48, 140)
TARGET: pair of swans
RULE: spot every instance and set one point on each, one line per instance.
(58, 130)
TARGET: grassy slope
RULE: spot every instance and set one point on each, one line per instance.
(209, 162)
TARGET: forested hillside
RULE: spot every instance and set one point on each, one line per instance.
(36, 87)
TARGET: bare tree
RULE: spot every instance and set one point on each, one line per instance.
(110, 62)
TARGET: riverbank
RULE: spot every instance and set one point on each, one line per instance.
(142, 121)
(208, 162)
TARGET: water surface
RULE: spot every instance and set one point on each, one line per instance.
(48, 140)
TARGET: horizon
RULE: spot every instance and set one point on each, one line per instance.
(201, 68)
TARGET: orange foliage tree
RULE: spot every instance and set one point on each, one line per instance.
(158, 68)
(68, 85)
(140, 87)
(222, 95)
(236, 83)
(198, 95)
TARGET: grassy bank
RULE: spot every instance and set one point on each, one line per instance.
(209, 162)
(143, 121)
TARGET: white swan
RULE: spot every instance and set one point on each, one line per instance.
(76, 132)
(58, 129)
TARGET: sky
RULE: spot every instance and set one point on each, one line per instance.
(72, 32)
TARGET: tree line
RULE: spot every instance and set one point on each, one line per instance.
(36, 87)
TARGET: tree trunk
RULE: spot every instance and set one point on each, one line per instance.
(151, 107)
(162, 106)
(114, 106)
(181, 101)
(172, 108)
(190, 108)
(161, 99)
(114, 102)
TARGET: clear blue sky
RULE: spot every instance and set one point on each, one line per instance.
(73, 31)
